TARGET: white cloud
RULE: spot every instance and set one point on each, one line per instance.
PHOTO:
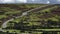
(58, 0)
(33, 0)
(48, 2)
(22, 1)
(8, 1)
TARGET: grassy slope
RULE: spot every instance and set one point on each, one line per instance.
(34, 16)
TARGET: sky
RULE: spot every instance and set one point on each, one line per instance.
(22, 1)
(13, 1)
(31, 1)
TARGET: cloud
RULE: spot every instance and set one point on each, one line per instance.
(58, 0)
(21, 1)
(7, 1)
(48, 2)
(31, 1)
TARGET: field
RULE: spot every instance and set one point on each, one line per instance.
(29, 19)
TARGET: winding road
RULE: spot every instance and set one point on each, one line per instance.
(4, 25)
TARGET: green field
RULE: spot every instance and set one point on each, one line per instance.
(37, 20)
